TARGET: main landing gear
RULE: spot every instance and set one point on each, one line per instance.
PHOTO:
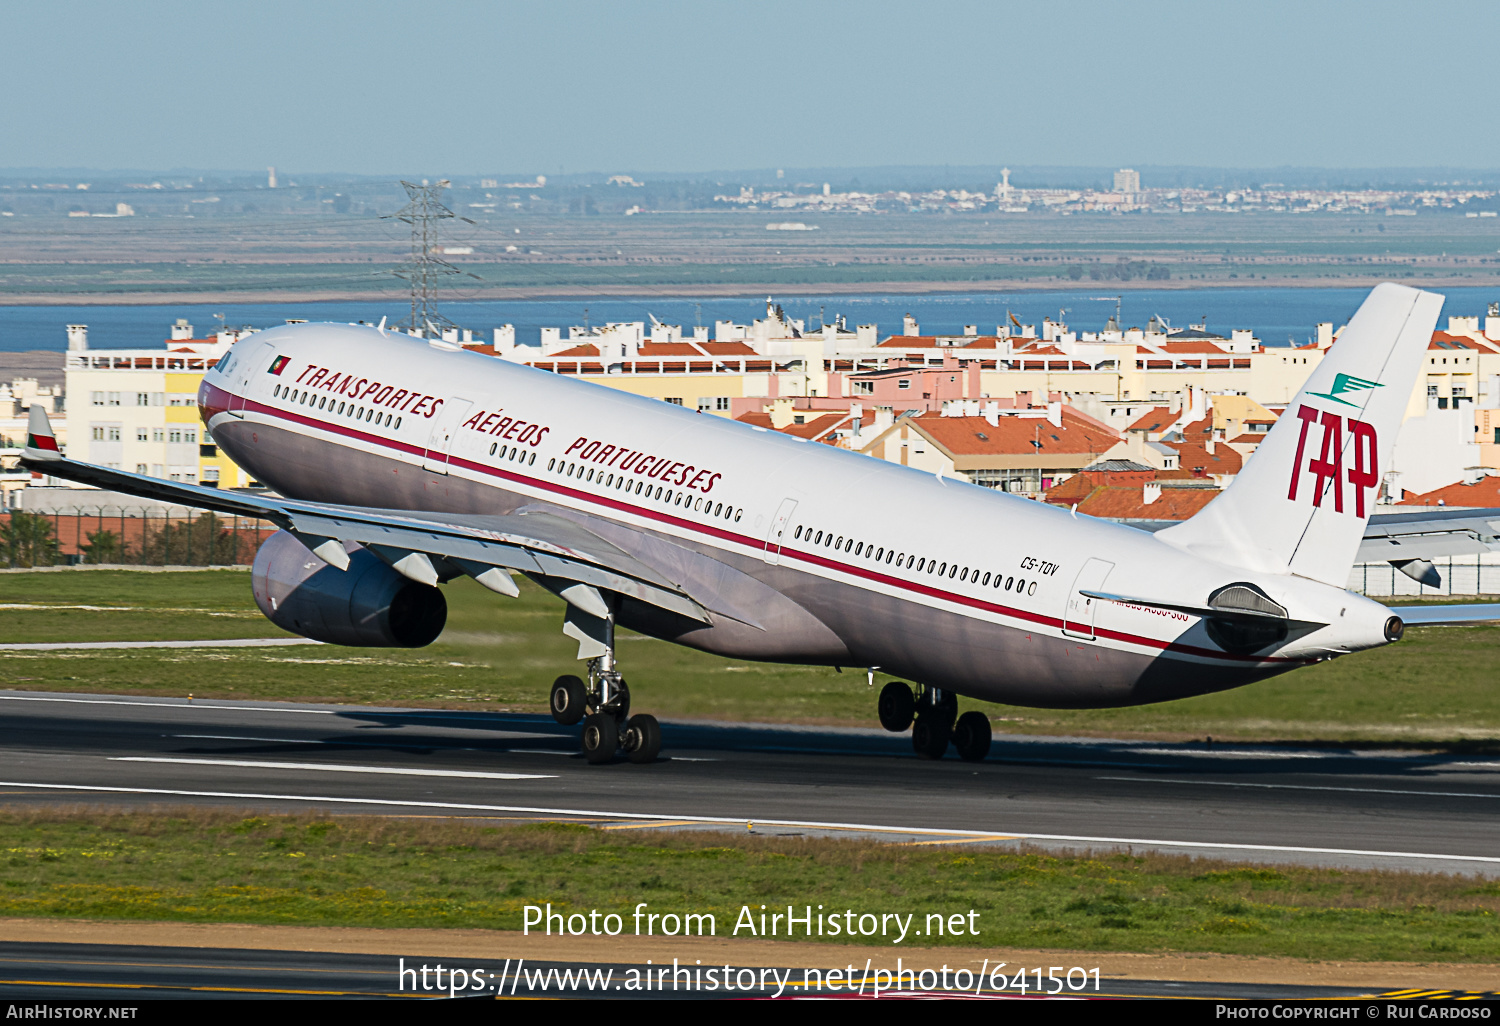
(933, 717)
(603, 702)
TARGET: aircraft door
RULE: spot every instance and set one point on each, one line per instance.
(444, 427)
(1078, 617)
(778, 530)
(246, 366)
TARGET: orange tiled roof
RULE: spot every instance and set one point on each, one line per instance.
(1130, 503)
(815, 425)
(1155, 420)
(975, 436)
(1194, 456)
(1198, 346)
(1485, 492)
(582, 351)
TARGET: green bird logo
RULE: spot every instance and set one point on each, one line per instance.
(1346, 383)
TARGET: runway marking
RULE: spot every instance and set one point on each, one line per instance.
(963, 840)
(231, 737)
(737, 821)
(335, 768)
(653, 825)
(211, 966)
(1236, 754)
(52, 646)
(1307, 787)
(209, 990)
(499, 735)
(206, 704)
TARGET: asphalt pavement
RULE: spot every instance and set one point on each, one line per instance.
(1263, 803)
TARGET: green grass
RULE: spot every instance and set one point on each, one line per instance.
(1435, 688)
(220, 866)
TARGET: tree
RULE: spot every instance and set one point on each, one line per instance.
(28, 539)
(103, 547)
(204, 541)
(1075, 271)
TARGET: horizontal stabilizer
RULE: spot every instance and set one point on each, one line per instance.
(1232, 615)
(1448, 616)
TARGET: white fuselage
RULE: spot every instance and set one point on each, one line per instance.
(954, 585)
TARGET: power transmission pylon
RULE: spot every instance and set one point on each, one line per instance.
(423, 269)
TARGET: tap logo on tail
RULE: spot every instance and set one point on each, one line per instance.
(1346, 383)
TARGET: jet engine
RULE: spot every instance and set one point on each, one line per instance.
(368, 605)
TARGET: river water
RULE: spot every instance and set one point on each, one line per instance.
(1276, 315)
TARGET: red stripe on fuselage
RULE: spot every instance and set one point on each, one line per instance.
(721, 534)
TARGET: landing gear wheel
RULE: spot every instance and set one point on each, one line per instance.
(641, 738)
(601, 736)
(568, 699)
(896, 706)
(929, 736)
(933, 730)
(971, 736)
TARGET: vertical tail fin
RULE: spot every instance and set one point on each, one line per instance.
(1301, 502)
(41, 443)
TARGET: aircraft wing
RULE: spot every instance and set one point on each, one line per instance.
(425, 546)
(1429, 534)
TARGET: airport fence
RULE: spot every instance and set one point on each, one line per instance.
(130, 536)
(1462, 575)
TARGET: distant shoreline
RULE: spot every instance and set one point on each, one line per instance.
(739, 290)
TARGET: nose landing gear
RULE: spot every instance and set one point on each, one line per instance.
(932, 714)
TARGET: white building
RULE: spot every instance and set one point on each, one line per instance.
(137, 409)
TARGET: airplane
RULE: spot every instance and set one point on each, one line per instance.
(400, 463)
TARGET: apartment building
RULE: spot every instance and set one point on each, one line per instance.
(137, 409)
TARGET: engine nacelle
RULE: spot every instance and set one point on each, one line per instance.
(368, 605)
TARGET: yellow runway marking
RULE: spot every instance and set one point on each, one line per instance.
(213, 967)
(650, 826)
(962, 840)
(211, 990)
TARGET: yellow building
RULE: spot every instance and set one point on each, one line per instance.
(137, 409)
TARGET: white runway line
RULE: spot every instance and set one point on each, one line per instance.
(51, 646)
(395, 771)
(232, 737)
(204, 704)
(739, 821)
(1306, 787)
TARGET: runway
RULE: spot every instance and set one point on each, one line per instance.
(1260, 803)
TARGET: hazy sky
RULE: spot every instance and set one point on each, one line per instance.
(463, 88)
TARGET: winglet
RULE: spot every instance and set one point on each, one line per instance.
(41, 443)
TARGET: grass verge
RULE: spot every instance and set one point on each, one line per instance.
(1433, 689)
(198, 865)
